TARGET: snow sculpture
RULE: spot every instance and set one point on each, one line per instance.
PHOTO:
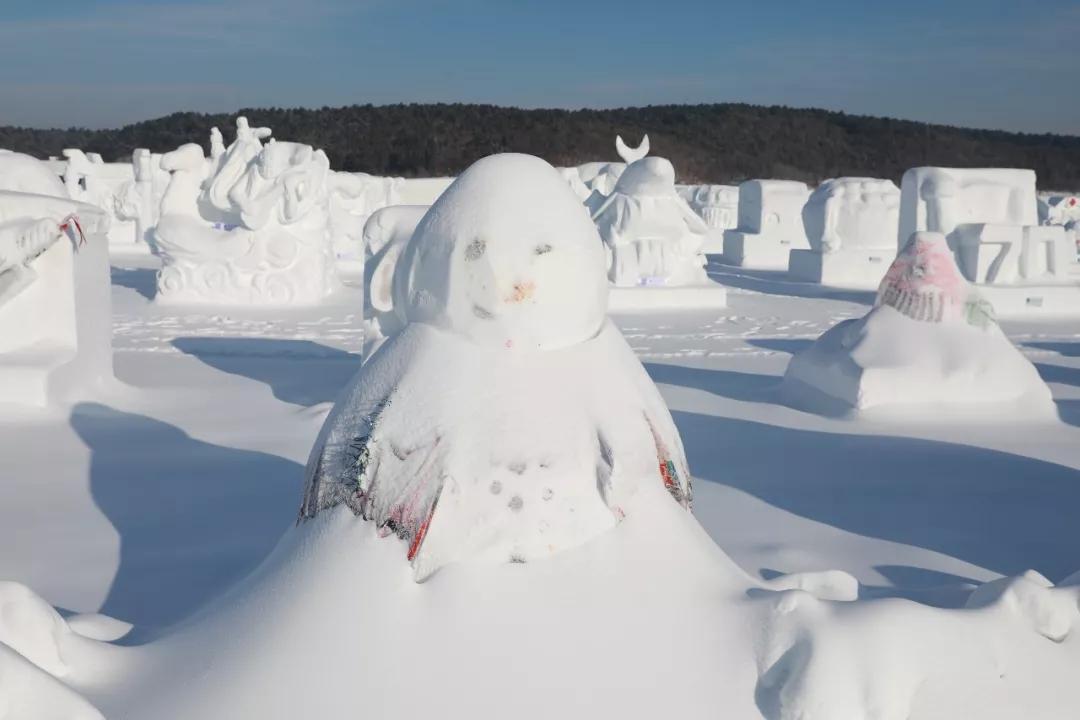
(599, 178)
(718, 206)
(23, 173)
(253, 233)
(55, 319)
(931, 339)
(353, 199)
(386, 233)
(770, 224)
(90, 180)
(503, 296)
(652, 235)
(139, 201)
(851, 225)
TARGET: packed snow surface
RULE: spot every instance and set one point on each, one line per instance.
(834, 566)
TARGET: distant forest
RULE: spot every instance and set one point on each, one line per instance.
(707, 143)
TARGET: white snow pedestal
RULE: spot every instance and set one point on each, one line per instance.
(990, 217)
(851, 226)
(930, 340)
(55, 315)
(770, 224)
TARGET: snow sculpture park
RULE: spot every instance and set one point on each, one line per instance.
(281, 441)
(770, 224)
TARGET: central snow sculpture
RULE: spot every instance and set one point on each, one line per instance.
(931, 339)
(249, 227)
(508, 420)
(851, 225)
(770, 224)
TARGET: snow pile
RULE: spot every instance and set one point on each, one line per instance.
(247, 227)
(770, 224)
(929, 340)
(652, 235)
(22, 173)
(851, 225)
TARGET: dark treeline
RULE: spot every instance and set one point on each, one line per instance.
(707, 143)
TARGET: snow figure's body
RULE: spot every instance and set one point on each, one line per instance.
(652, 235)
(509, 419)
(930, 339)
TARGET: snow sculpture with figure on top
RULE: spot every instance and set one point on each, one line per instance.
(654, 242)
(931, 339)
(502, 288)
(990, 217)
(250, 227)
(851, 225)
(770, 224)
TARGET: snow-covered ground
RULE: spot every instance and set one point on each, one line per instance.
(179, 480)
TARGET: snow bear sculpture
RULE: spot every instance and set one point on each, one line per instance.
(503, 297)
(930, 339)
(652, 235)
(254, 233)
(851, 225)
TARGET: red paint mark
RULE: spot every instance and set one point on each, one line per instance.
(73, 221)
(421, 532)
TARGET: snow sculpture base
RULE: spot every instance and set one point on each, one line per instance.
(204, 265)
(56, 331)
(861, 269)
(1034, 301)
(692, 297)
(759, 252)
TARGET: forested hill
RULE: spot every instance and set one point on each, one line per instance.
(707, 143)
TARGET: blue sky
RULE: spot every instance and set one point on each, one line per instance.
(1009, 64)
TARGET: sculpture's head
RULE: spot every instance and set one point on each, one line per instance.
(649, 176)
(507, 257)
(187, 157)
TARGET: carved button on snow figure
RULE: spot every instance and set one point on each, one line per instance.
(509, 419)
(652, 235)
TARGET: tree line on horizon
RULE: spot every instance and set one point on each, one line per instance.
(721, 143)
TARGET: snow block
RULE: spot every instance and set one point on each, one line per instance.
(770, 224)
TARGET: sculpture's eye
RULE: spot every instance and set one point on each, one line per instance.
(475, 250)
(543, 249)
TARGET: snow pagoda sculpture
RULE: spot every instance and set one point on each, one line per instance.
(654, 241)
(503, 299)
(990, 217)
(931, 339)
(770, 224)
(248, 228)
(851, 225)
(55, 318)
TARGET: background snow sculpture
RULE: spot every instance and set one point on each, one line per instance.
(770, 224)
(55, 318)
(930, 340)
(255, 232)
(90, 180)
(386, 233)
(718, 206)
(851, 225)
(22, 173)
(597, 179)
(503, 295)
(140, 200)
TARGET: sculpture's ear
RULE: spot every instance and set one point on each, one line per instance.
(629, 154)
(381, 279)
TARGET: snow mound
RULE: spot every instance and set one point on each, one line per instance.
(929, 340)
(23, 173)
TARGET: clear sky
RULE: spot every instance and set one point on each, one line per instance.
(1011, 64)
